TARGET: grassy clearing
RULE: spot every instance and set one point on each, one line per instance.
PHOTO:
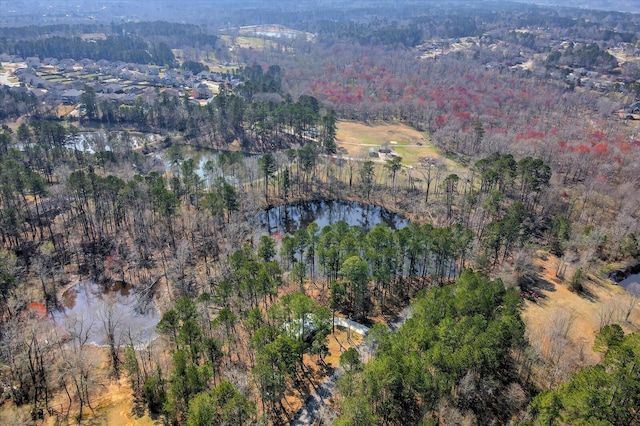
(249, 42)
(357, 138)
(582, 313)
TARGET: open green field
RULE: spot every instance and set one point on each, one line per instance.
(358, 138)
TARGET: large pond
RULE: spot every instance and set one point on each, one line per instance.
(88, 308)
(289, 218)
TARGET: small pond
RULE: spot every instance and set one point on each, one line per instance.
(87, 306)
(289, 218)
(236, 173)
(631, 284)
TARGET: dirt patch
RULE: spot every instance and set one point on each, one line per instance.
(339, 342)
(63, 110)
(115, 407)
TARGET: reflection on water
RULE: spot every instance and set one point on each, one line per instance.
(291, 217)
(88, 308)
(91, 142)
(207, 165)
(632, 284)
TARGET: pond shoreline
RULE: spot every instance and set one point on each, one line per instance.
(289, 217)
(620, 275)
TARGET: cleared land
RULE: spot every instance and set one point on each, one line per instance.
(249, 42)
(357, 138)
(562, 325)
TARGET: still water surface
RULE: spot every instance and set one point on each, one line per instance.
(631, 284)
(87, 307)
(289, 218)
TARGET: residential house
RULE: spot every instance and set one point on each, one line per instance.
(111, 97)
(172, 92)
(37, 82)
(385, 149)
(201, 91)
(153, 71)
(113, 88)
(85, 61)
(38, 93)
(150, 94)
(24, 73)
(96, 86)
(66, 65)
(216, 76)
(33, 62)
(204, 75)
(71, 96)
(129, 99)
(91, 68)
(76, 84)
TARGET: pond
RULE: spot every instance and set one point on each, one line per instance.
(87, 307)
(289, 218)
(236, 167)
(628, 278)
(631, 284)
(92, 142)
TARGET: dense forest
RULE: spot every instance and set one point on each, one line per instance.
(126, 49)
(532, 161)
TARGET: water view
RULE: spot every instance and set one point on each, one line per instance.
(291, 217)
(210, 164)
(631, 284)
(88, 307)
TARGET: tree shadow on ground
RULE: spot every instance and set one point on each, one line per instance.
(534, 288)
(586, 293)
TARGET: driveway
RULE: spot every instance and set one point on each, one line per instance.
(311, 410)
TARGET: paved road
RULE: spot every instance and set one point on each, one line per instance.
(310, 411)
(4, 79)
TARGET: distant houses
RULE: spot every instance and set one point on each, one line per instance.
(62, 80)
